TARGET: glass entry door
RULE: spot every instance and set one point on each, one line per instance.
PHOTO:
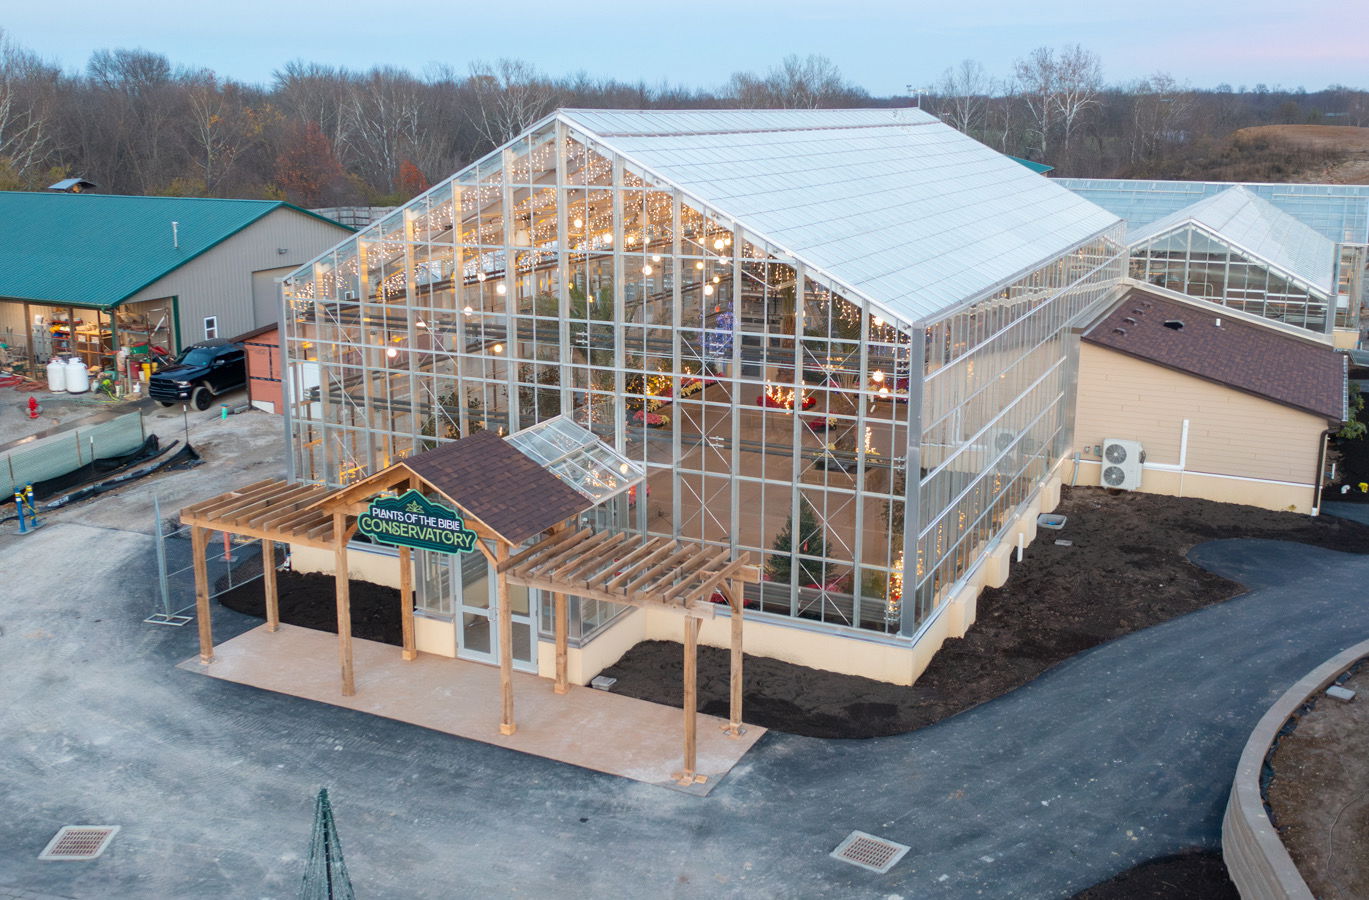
(477, 611)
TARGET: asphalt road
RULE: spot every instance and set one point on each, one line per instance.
(1119, 755)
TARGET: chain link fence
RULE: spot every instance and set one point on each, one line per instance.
(230, 561)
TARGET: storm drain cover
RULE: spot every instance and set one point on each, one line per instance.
(869, 852)
(79, 842)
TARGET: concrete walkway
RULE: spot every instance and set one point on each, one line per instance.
(1116, 756)
(609, 733)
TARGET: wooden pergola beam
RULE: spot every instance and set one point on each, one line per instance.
(541, 549)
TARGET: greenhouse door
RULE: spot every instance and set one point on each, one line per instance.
(477, 616)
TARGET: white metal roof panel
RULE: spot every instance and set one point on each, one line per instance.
(1255, 225)
(892, 202)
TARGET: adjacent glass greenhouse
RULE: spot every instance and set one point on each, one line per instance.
(838, 339)
(1239, 250)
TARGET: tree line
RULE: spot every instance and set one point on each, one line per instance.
(325, 135)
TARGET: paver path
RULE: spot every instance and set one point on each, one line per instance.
(1121, 754)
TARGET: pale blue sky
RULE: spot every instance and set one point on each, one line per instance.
(882, 45)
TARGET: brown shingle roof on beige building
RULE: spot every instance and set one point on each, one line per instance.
(497, 484)
(1240, 354)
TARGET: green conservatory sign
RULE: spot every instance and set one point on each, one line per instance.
(412, 520)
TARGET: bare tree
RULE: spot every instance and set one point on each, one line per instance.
(808, 82)
(509, 94)
(1078, 79)
(964, 94)
(1038, 79)
(311, 92)
(382, 119)
(1159, 113)
(26, 85)
(222, 128)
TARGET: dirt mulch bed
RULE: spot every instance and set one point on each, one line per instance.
(1192, 875)
(1319, 796)
(310, 601)
(1126, 571)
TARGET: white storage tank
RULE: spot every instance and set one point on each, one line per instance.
(78, 376)
(57, 375)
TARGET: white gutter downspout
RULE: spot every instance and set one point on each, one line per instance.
(1183, 455)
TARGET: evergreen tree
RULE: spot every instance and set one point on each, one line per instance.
(812, 541)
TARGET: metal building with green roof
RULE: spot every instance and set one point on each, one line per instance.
(89, 273)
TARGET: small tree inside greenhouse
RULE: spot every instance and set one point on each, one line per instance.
(811, 541)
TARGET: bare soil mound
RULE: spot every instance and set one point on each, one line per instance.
(1126, 570)
(1346, 138)
(1319, 795)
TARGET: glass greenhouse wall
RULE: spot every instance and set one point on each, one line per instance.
(1197, 262)
(772, 411)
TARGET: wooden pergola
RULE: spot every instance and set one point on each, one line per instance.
(271, 511)
(656, 572)
(507, 500)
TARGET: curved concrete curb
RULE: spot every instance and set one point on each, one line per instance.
(1255, 856)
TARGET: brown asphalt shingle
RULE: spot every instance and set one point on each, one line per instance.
(1248, 357)
(497, 484)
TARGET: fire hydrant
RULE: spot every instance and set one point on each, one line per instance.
(34, 408)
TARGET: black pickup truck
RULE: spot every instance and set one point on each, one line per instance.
(200, 373)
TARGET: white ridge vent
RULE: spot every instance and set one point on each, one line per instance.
(869, 852)
(77, 842)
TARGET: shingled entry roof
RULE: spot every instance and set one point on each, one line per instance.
(493, 481)
(1239, 354)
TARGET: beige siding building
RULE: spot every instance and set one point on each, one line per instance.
(95, 274)
(1226, 408)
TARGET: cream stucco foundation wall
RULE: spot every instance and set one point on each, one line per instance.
(1239, 448)
(377, 567)
(849, 652)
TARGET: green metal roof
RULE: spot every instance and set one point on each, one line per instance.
(1038, 168)
(96, 250)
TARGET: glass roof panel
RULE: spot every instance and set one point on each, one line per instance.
(576, 456)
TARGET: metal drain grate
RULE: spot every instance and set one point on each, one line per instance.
(79, 842)
(869, 852)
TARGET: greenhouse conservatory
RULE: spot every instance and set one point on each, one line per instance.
(837, 339)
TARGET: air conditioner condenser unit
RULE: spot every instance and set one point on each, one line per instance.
(1122, 462)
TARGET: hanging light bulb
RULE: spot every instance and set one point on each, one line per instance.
(719, 244)
(656, 258)
(392, 352)
(698, 265)
(579, 222)
(479, 276)
(708, 290)
(717, 279)
(468, 310)
(876, 376)
(498, 348)
(646, 269)
(879, 323)
(501, 289)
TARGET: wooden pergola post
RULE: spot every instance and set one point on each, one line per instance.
(406, 603)
(268, 577)
(562, 641)
(199, 543)
(691, 699)
(734, 599)
(342, 580)
(506, 723)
